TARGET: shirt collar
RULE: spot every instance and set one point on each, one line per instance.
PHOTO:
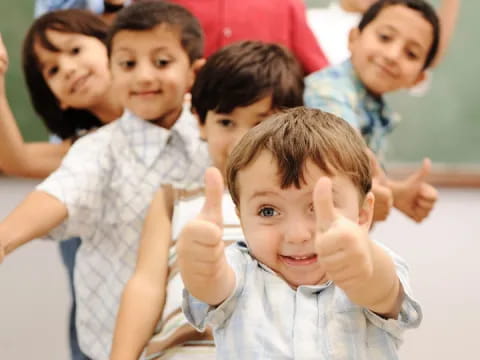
(148, 140)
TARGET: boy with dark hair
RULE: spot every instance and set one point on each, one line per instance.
(395, 42)
(106, 182)
(237, 88)
(307, 282)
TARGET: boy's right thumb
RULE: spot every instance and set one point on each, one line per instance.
(212, 208)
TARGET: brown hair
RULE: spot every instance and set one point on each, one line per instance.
(242, 73)
(64, 123)
(297, 135)
(148, 14)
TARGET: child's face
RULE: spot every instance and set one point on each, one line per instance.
(359, 6)
(151, 73)
(77, 74)
(390, 52)
(279, 224)
(223, 131)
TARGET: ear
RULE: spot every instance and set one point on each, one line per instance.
(365, 214)
(194, 69)
(352, 37)
(421, 77)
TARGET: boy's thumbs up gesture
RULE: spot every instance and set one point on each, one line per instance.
(343, 246)
(200, 247)
(363, 270)
(414, 196)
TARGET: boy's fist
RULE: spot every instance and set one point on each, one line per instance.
(343, 246)
(200, 246)
(414, 196)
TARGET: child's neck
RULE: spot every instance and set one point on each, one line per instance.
(168, 119)
(108, 109)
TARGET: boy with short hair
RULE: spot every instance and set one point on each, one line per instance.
(395, 42)
(103, 188)
(308, 282)
(237, 88)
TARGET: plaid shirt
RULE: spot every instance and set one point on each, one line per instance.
(339, 91)
(265, 318)
(107, 181)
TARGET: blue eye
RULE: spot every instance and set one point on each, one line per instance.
(267, 212)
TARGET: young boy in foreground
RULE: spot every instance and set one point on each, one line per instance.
(394, 44)
(308, 282)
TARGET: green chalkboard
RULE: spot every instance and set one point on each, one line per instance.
(444, 124)
(15, 17)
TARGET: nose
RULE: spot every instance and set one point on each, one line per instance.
(393, 51)
(67, 66)
(236, 137)
(299, 230)
(143, 73)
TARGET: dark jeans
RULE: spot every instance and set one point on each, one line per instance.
(68, 250)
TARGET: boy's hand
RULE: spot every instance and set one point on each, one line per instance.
(3, 58)
(380, 189)
(413, 196)
(343, 246)
(200, 246)
(2, 251)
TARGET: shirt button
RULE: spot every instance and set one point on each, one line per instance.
(227, 32)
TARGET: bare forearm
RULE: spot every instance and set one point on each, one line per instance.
(140, 311)
(382, 293)
(36, 160)
(448, 14)
(36, 216)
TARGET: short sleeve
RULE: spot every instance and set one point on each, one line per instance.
(79, 183)
(199, 314)
(410, 312)
(320, 94)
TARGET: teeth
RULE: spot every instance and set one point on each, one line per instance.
(301, 257)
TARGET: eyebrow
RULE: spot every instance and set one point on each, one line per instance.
(262, 193)
(409, 41)
(157, 49)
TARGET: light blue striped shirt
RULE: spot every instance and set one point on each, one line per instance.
(266, 319)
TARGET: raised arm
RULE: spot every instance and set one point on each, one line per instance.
(34, 217)
(201, 258)
(448, 14)
(357, 265)
(144, 294)
(17, 158)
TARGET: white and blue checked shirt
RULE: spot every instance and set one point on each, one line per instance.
(107, 181)
(266, 319)
(96, 6)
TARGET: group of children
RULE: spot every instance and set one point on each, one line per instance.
(301, 277)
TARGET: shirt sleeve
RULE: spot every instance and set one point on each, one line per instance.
(45, 6)
(80, 184)
(200, 314)
(322, 95)
(304, 44)
(410, 312)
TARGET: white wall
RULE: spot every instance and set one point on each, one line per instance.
(442, 253)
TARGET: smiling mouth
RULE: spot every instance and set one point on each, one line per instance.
(300, 260)
(145, 93)
(79, 83)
